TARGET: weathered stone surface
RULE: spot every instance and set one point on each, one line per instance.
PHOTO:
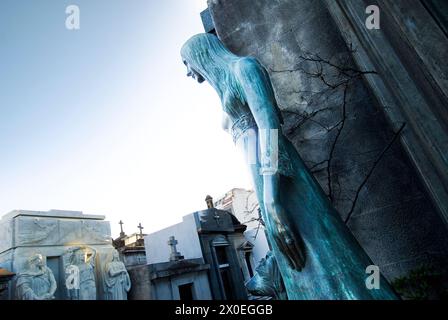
(45, 230)
(141, 283)
(411, 84)
(5, 235)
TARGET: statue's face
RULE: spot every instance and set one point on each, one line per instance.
(193, 73)
(40, 261)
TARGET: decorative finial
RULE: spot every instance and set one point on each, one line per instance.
(209, 201)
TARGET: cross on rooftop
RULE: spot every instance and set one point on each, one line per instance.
(216, 217)
(172, 242)
(141, 228)
(174, 256)
(121, 228)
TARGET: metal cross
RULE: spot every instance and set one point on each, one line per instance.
(121, 225)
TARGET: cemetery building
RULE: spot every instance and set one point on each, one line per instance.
(198, 258)
(55, 242)
(243, 204)
(175, 278)
(131, 247)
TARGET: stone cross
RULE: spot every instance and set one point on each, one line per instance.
(174, 256)
(141, 228)
(121, 228)
(216, 217)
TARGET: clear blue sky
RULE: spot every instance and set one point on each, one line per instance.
(103, 119)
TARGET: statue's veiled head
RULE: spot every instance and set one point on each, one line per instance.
(77, 256)
(206, 57)
(36, 260)
(191, 72)
(115, 256)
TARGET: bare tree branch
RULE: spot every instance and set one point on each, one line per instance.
(380, 156)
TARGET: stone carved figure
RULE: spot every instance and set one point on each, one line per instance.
(40, 231)
(93, 232)
(37, 282)
(317, 255)
(116, 279)
(267, 280)
(82, 266)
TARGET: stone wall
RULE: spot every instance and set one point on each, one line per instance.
(141, 283)
(158, 250)
(413, 85)
(161, 281)
(339, 128)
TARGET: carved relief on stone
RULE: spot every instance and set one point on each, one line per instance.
(70, 231)
(36, 281)
(95, 232)
(80, 273)
(5, 236)
(116, 278)
(35, 230)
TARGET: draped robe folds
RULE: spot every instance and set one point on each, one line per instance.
(117, 281)
(87, 284)
(34, 285)
(335, 264)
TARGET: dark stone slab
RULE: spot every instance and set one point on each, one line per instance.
(207, 21)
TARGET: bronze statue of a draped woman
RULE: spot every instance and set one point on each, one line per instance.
(317, 255)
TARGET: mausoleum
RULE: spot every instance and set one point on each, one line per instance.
(74, 248)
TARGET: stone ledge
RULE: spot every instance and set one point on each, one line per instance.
(52, 214)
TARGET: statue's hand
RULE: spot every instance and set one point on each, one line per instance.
(288, 240)
(292, 248)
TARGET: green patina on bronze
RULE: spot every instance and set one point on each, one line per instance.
(317, 255)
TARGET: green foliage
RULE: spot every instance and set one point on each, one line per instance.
(422, 283)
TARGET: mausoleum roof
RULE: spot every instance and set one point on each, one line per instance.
(53, 214)
(5, 273)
